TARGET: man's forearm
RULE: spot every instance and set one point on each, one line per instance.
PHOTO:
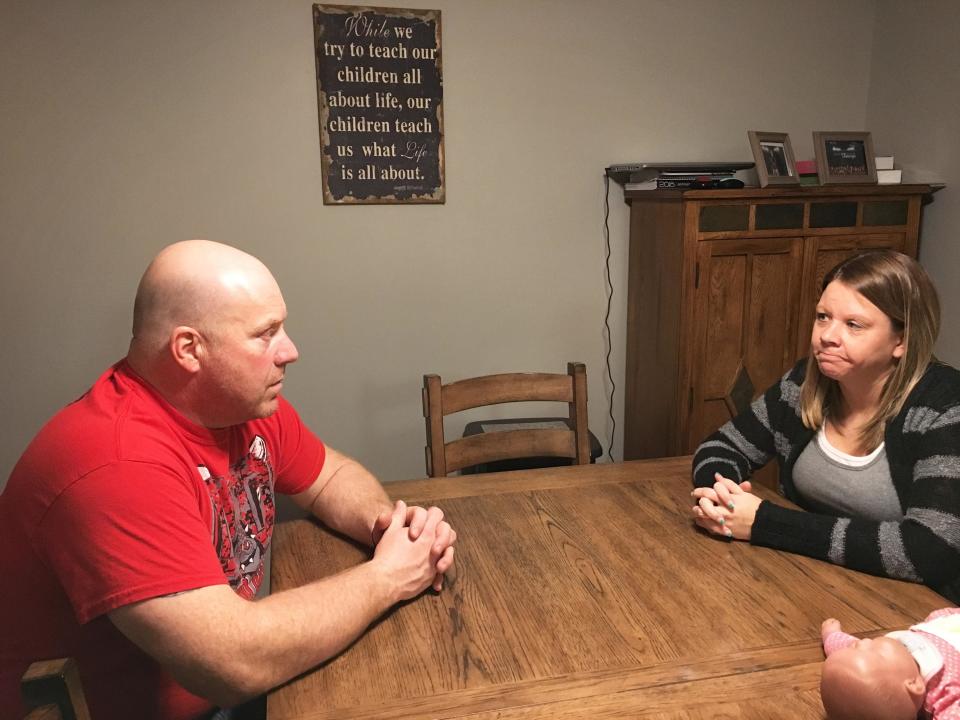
(351, 500)
(302, 627)
(236, 649)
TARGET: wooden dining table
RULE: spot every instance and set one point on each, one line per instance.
(587, 592)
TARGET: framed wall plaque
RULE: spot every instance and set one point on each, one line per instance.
(380, 101)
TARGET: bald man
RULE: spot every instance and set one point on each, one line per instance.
(133, 527)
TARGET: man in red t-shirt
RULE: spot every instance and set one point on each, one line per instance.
(134, 525)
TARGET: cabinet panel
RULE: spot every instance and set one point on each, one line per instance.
(720, 218)
(726, 287)
(885, 212)
(779, 216)
(771, 320)
(746, 314)
(654, 310)
(833, 214)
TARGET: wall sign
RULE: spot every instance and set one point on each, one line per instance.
(380, 97)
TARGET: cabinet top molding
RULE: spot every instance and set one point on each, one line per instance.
(802, 191)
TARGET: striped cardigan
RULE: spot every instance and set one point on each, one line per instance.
(923, 452)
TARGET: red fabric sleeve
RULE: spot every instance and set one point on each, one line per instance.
(125, 532)
(301, 452)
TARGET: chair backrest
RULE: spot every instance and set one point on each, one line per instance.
(440, 400)
(52, 691)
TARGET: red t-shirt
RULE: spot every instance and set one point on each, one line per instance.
(118, 499)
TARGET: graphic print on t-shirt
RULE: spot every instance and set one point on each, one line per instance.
(243, 513)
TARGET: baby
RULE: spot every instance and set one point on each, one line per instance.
(895, 676)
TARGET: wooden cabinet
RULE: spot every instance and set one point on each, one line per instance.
(722, 288)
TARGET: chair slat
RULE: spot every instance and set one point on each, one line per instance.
(507, 445)
(508, 387)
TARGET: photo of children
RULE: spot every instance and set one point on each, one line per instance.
(775, 159)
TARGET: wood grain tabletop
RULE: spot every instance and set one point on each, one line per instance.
(587, 592)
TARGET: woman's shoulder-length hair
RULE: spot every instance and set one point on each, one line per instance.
(902, 290)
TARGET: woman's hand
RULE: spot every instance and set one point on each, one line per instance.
(726, 509)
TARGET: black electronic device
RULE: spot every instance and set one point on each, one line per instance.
(709, 183)
(639, 172)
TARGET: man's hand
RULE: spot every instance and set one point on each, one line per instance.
(415, 521)
(345, 496)
(726, 509)
(409, 565)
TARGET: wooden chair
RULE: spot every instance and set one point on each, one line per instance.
(51, 689)
(440, 400)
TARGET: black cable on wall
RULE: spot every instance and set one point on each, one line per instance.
(606, 317)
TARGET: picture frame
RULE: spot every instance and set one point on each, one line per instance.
(844, 157)
(773, 155)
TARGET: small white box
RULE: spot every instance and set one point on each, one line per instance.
(884, 162)
(889, 177)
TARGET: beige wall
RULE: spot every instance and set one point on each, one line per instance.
(128, 125)
(913, 112)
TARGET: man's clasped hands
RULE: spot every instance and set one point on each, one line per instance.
(414, 547)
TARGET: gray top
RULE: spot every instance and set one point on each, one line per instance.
(835, 483)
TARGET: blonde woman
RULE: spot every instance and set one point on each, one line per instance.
(866, 432)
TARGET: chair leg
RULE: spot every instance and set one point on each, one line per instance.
(578, 411)
(436, 459)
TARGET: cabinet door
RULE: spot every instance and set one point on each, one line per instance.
(745, 327)
(821, 254)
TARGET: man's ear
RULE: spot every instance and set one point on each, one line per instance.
(186, 346)
(916, 689)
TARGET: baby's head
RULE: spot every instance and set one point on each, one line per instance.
(874, 679)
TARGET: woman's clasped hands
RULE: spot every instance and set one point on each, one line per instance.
(726, 509)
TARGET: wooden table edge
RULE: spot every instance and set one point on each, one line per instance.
(435, 489)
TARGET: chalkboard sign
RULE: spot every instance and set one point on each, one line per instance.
(380, 96)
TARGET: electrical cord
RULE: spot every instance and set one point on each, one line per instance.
(606, 318)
